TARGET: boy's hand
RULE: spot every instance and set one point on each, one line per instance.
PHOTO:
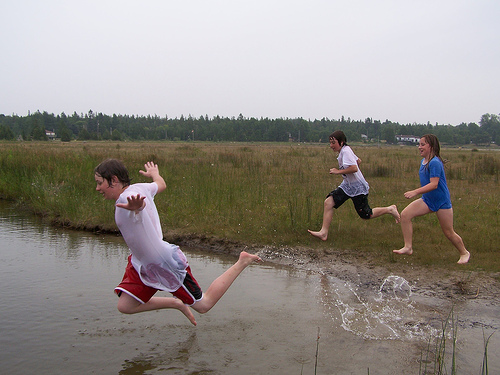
(134, 203)
(151, 170)
(153, 173)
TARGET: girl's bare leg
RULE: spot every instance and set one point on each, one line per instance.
(129, 305)
(220, 285)
(414, 209)
(327, 219)
(445, 217)
(391, 210)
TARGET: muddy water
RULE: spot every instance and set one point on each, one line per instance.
(58, 316)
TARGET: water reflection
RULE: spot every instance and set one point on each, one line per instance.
(65, 243)
(168, 358)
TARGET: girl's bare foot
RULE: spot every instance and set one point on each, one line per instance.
(320, 234)
(393, 210)
(464, 258)
(404, 250)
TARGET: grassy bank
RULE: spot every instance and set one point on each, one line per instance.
(264, 194)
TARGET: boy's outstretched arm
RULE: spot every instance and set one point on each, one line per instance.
(153, 173)
(134, 203)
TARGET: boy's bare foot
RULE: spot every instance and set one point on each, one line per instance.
(247, 258)
(185, 309)
(404, 250)
(320, 234)
(393, 210)
(464, 258)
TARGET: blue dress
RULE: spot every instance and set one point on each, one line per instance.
(438, 198)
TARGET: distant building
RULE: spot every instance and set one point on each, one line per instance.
(50, 135)
(407, 138)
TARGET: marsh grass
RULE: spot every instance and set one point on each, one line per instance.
(438, 358)
(484, 364)
(264, 194)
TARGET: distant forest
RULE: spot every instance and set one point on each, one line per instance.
(98, 126)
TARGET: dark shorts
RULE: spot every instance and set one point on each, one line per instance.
(360, 202)
(189, 292)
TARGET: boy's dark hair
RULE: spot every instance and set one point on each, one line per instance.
(339, 136)
(113, 167)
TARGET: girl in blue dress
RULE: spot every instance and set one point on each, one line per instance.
(435, 198)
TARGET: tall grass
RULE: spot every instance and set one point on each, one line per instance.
(438, 359)
(263, 194)
(484, 364)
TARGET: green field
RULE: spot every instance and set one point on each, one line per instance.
(264, 194)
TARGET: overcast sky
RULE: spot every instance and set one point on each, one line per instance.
(420, 61)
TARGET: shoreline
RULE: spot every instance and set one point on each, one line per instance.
(361, 269)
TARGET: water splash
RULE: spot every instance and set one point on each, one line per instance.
(385, 314)
(395, 287)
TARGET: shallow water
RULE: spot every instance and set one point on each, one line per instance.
(58, 316)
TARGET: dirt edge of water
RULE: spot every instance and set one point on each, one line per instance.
(362, 269)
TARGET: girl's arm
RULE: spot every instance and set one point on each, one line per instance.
(424, 189)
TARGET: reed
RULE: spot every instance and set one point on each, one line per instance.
(438, 359)
(263, 194)
(435, 358)
(484, 364)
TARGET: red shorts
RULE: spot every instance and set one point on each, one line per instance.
(189, 292)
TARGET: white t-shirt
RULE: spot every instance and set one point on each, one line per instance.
(160, 264)
(353, 183)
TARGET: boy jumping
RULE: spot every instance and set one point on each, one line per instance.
(155, 264)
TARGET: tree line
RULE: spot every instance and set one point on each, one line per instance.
(99, 126)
